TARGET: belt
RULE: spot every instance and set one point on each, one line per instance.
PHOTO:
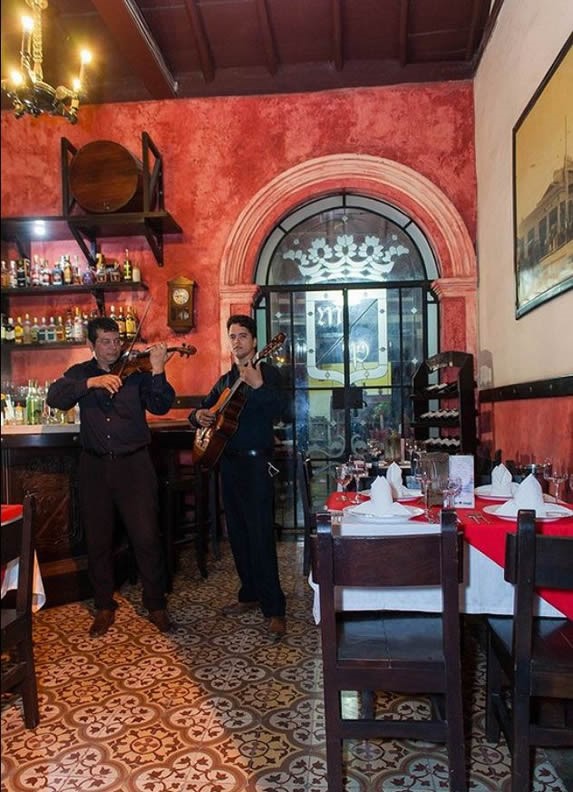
(249, 452)
(113, 454)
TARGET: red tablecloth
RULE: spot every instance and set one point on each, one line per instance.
(11, 511)
(489, 538)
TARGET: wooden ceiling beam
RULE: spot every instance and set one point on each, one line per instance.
(136, 43)
(201, 41)
(337, 45)
(473, 29)
(267, 36)
(403, 33)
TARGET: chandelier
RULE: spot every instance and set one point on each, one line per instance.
(26, 87)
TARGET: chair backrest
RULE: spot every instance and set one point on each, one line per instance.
(390, 561)
(18, 543)
(534, 561)
(303, 487)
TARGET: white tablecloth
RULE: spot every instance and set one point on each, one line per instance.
(484, 589)
(10, 581)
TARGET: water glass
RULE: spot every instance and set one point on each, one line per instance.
(452, 488)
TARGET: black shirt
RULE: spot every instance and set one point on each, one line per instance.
(262, 406)
(115, 424)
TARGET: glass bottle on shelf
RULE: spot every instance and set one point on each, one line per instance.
(21, 280)
(27, 328)
(69, 326)
(13, 275)
(9, 334)
(120, 319)
(130, 324)
(51, 335)
(36, 272)
(43, 331)
(57, 275)
(78, 327)
(76, 271)
(5, 281)
(60, 330)
(136, 272)
(127, 267)
(34, 331)
(67, 272)
(101, 274)
(18, 331)
(46, 273)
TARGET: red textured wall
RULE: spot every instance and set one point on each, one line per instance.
(217, 154)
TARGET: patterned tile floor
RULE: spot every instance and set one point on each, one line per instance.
(215, 706)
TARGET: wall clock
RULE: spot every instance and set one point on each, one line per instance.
(180, 304)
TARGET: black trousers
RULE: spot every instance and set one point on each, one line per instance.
(248, 501)
(128, 484)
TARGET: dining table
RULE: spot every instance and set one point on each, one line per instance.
(483, 590)
(11, 512)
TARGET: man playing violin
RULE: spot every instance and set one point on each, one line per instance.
(246, 476)
(115, 469)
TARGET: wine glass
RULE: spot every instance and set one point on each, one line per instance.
(357, 467)
(555, 473)
(343, 477)
(424, 481)
(452, 489)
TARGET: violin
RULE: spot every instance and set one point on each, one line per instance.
(135, 361)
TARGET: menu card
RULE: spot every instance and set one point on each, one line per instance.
(462, 465)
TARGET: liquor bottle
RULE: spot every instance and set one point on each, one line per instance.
(27, 334)
(69, 326)
(13, 274)
(34, 331)
(101, 274)
(57, 275)
(67, 272)
(112, 314)
(5, 281)
(36, 272)
(3, 329)
(31, 403)
(46, 273)
(43, 331)
(136, 272)
(127, 268)
(120, 319)
(78, 327)
(18, 331)
(9, 333)
(130, 324)
(76, 271)
(20, 274)
(60, 330)
(51, 335)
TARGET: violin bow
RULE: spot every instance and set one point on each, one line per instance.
(134, 339)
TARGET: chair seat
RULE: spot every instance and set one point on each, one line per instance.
(380, 637)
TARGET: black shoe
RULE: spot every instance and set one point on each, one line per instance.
(236, 608)
(160, 619)
(102, 622)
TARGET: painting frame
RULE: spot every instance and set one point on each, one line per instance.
(543, 189)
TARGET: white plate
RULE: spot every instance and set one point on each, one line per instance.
(387, 519)
(551, 516)
(485, 492)
(412, 495)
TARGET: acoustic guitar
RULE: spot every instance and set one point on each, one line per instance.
(210, 441)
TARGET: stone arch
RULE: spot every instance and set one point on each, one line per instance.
(376, 177)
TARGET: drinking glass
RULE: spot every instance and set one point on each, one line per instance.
(357, 467)
(452, 489)
(424, 481)
(343, 477)
(555, 473)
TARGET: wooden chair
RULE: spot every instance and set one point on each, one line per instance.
(530, 659)
(411, 653)
(303, 473)
(18, 672)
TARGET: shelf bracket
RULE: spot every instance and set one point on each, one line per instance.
(155, 241)
(89, 252)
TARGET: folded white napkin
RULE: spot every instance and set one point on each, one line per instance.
(394, 478)
(501, 481)
(381, 503)
(528, 495)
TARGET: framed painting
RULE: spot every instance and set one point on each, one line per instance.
(543, 189)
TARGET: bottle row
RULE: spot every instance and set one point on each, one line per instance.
(26, 405)
(70, 328)
(23, 273)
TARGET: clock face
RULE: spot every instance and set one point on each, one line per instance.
(180, 296)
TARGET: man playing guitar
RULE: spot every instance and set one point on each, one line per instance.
(246, 476)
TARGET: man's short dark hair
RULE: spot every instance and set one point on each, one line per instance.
(101, 323)
(244, 321)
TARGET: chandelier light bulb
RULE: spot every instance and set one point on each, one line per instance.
(27, 89)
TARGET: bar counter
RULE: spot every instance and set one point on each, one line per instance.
(44, 460)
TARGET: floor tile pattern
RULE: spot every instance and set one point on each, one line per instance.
(215, 706)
